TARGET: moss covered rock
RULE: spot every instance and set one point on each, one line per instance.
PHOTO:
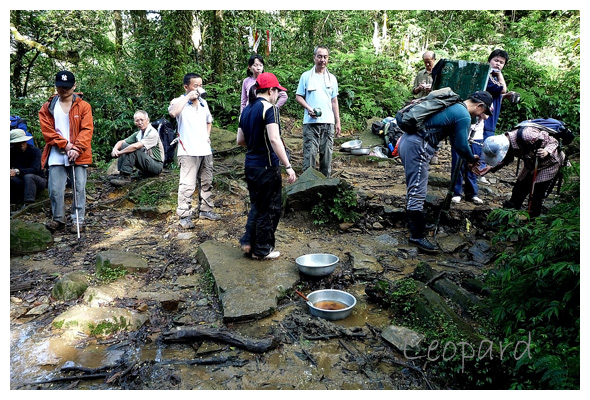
(71, 286)
(28, 237)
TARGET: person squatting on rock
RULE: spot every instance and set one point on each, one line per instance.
(416, 150)
(194, 151)
(142, 150)
(317, 93)
(67, 127)
(535, 147)
(259, 130)
(26, 176)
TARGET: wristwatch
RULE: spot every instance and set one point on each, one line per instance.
(288, 167)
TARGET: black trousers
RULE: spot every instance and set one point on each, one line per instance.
(265, 188)
(25, 188)
(521, 191)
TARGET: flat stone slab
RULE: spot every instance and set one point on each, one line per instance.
(247, 289)
(121, 259)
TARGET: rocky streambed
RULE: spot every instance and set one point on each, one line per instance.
(191, 312)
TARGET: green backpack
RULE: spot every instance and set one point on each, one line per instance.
(412, 116)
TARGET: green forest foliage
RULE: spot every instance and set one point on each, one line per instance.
(537, 291)
(128, 60)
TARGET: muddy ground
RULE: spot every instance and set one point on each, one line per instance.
(349, 354)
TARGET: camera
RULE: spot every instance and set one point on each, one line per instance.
(515, 98)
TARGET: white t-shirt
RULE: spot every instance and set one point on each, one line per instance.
(62, 126)
(192, 128)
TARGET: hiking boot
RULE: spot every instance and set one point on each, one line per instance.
(270, 256)
(456, 199)
(186, 223)
(476, 200)
(209, 215)
(54, 225)
(423, 244)
(74, 228)
(122, 180)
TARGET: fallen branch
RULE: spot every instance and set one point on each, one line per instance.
(309, 357)
(197, 333)
(227, 360)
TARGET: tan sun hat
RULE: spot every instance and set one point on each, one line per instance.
(18, 135)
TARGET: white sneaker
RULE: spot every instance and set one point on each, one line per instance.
(482, 179)
(456, 199)
(270, 256)
(476, 200)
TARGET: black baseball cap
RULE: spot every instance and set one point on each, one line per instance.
(65, 79)
(481, 96)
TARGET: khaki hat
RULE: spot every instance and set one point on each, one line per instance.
(18, 135)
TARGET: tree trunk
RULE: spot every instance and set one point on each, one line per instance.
(118, 33)
(218, 56)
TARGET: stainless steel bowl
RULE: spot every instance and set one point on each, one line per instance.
(317, 264)
(352, 144)
(361, 151)
(331, 295)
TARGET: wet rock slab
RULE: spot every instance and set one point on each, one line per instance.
(247, 289)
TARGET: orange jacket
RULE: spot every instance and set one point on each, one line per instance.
(81, 129)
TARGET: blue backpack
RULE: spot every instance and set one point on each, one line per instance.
(17, 122)
(553, 127)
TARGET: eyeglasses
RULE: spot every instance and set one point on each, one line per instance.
(322, 57)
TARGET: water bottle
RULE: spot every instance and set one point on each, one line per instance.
(391, 148)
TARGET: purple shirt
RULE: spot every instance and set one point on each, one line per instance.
(247, 84)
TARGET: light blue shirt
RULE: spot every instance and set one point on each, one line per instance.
(318, 90)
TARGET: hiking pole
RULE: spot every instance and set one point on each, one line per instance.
(447, 201)
(533, 185)
(75, 199)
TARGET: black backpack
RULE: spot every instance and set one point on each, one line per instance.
(412, 116)
(167, 135)
(391, 137)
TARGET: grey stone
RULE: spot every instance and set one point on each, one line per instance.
(387, 240)
(247, 288)
(402, 338)
(450, 243)
(100, 295)
(439, 180)
(303, 193)
(70, 286)
(83, 318)
(185, 236)
(482, 251)
(120, 259)
(28, 237)
(377, 226)
(39, 310)
(364, 265)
